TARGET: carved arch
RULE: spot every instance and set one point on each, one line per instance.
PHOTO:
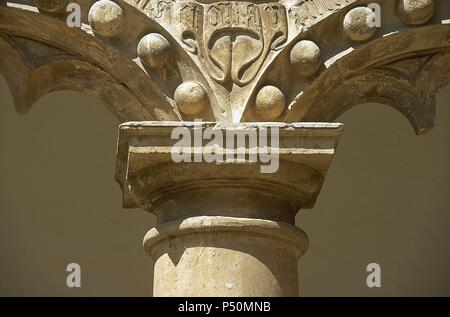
(148, 96)
(33, 44)
(28, 83)
(404, 70)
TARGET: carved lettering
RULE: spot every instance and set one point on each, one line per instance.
(233, 15)
(306, 12)
(188, 16)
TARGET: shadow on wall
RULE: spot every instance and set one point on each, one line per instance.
(385, 200)
(59, 202)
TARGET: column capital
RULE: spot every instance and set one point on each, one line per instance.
(148, 173)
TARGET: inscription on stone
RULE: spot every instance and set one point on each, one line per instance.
(306, 12)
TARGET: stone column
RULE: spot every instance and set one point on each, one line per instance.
(224, 228)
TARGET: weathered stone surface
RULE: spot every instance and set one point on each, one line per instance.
(69, 58)
(415, 11)
(154, 51)
(224, 256)
(226, 228)
(247, 244)
(234, 49)
(191, 98)
(305, 58)
(359, 24)
(270, 103)
(52, 5)
(106, 18)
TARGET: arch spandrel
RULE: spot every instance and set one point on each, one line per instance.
(404, 70)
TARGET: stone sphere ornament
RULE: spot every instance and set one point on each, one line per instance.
(415, 12)
(270, 103)
(106, 18)
(52, 6)
(359, 24)
(154, 50)
(305, 58)
(191, 98)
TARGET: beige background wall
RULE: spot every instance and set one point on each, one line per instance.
(386, 200)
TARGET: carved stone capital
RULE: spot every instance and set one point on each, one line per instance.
(148, 174)
(227, 208)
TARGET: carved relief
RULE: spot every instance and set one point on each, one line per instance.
(48, 57)
(232, 39)
(247, 60)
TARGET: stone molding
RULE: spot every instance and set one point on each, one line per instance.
(286, 233)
